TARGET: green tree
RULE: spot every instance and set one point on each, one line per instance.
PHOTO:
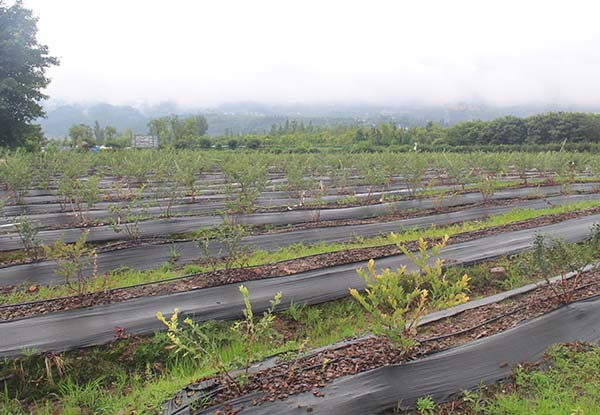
(98, 133)
(232, 144)
(23, 64)
(110, 133)
(81, 135)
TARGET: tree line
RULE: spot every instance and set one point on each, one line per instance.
(550, 131)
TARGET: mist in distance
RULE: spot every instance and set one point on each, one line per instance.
(205, 54)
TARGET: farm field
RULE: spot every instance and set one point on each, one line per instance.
(94, 246)
(286, 208)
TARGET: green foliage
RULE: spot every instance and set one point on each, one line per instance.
(73, 260)
(232, 251)
(128, 217)
(27, 233)
(395, 309)
(176, 132)
(197, 341)
(426, 405)
(246, 179)
(413, 169)
(17, 174)
(82, 136)
(568, 385)
(254, 330)
(558, 258)
(187, 169)
(397, 300)
(22, 76)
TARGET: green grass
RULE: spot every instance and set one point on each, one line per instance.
(569, 387)
(127, 277)
(126, 375)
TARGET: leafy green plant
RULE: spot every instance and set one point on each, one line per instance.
(397, 300)
(443, 292)
(294, 311)
(85, 192)
(555, 257)
(197, 341)
(254, 330)
(413, 170)
(17, 174)
(127, 217)
(475, 399)
(73, 260)
(298, 184)
(245, 181)
(426, 405)
(188, 169)
(174, 254)
(487, 186)
(28, 232)
(168, 182)
(395, 309)
(232, 252)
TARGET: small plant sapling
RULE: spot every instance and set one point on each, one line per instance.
(174, 253)
(560, 259)
(73, 261)
(254, 330)
(232, 252)
(28, 232)
(198, 342)
(127, 217)
(397, 300)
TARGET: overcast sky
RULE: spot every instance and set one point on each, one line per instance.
(202, 53)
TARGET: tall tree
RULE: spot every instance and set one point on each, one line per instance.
(98, 133)
(81, 135)
(23, 64)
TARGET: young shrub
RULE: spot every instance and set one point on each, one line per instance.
(443, 292)
(397, 300)
(487, 186)
(169, 181)
(198, 342)
(189, 169)
(245, 180)
(16, 173)
(233, 253)
(413, 169)
(254, 330)
(560, 259)
(298, 184)
(395, 309)
(73, 260)
(128, 217)
(88, 192)
(28, 235)
(440, 196)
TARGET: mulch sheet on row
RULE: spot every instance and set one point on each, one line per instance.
(313, 372)
(284, 268)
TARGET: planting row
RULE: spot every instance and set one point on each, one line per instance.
(231, 240)
(76, 178)
(96, 325)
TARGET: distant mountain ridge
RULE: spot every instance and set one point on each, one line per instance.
(250, 117)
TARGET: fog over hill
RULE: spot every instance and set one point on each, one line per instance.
(248, 117)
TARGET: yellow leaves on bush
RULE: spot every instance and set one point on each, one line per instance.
(397, 300)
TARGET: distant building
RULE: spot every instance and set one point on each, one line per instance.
(144, 141)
